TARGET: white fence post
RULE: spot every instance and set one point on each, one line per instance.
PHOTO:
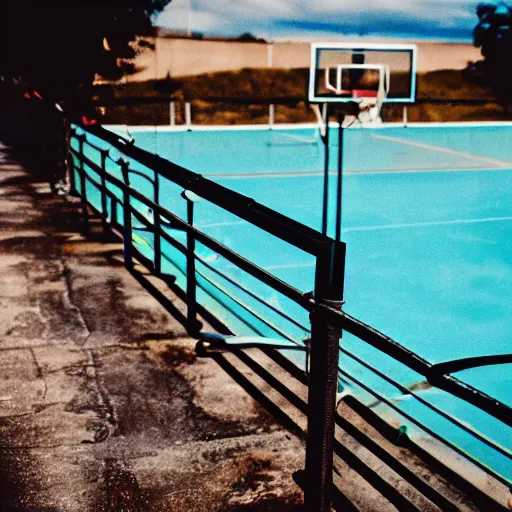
(188, 115)
(271, 115)
(172, 113)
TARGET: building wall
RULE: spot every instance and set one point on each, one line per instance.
(181, 57)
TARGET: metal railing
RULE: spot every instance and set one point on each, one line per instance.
(324, 303)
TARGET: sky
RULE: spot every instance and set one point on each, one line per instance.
(320, 19)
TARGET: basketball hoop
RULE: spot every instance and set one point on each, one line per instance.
(358, 80)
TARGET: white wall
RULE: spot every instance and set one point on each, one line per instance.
(181, 57)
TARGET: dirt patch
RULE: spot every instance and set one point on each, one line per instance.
(256, 489)
(176, 355)
(254, 477)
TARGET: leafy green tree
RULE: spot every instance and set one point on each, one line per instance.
(493, 35)
(58, 46)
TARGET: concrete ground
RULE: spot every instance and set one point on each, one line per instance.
(104, 405)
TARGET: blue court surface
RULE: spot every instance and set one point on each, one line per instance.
(427, 218)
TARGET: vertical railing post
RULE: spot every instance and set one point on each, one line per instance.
(323, 378)
(70, 133)
(72, 178)
(113, 211)
(271, 115)
(157, 256)
(193, 324)
(127, 216)
(104, 212)
(339, 185)
(405, 116)
(83, 189)
(325, 198)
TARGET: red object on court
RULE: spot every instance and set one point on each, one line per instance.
(89, 122)
(27, 95)
(37, 95)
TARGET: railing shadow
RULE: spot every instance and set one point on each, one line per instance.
(358, 430)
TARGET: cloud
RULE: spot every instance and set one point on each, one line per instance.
(282, 18)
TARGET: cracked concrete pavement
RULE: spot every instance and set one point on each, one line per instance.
(103, 404)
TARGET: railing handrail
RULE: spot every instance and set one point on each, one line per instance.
(295, 233)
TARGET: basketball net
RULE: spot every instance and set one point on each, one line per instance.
(370, 108)
(367, 108)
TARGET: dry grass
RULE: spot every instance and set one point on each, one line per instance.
(283, 83)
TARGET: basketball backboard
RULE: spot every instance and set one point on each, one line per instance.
(352, 72)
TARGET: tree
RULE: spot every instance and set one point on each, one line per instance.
(247, 37)
(58, 46)
(52, 50)
(493, 35)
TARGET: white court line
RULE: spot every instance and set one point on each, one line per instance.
(451, 124)
(220, 224)
(213, 128)
(424, 224)
(291, 265)
(439, 149)
(383, 226)
(301, 126)
(309, 174)
(392, 226)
